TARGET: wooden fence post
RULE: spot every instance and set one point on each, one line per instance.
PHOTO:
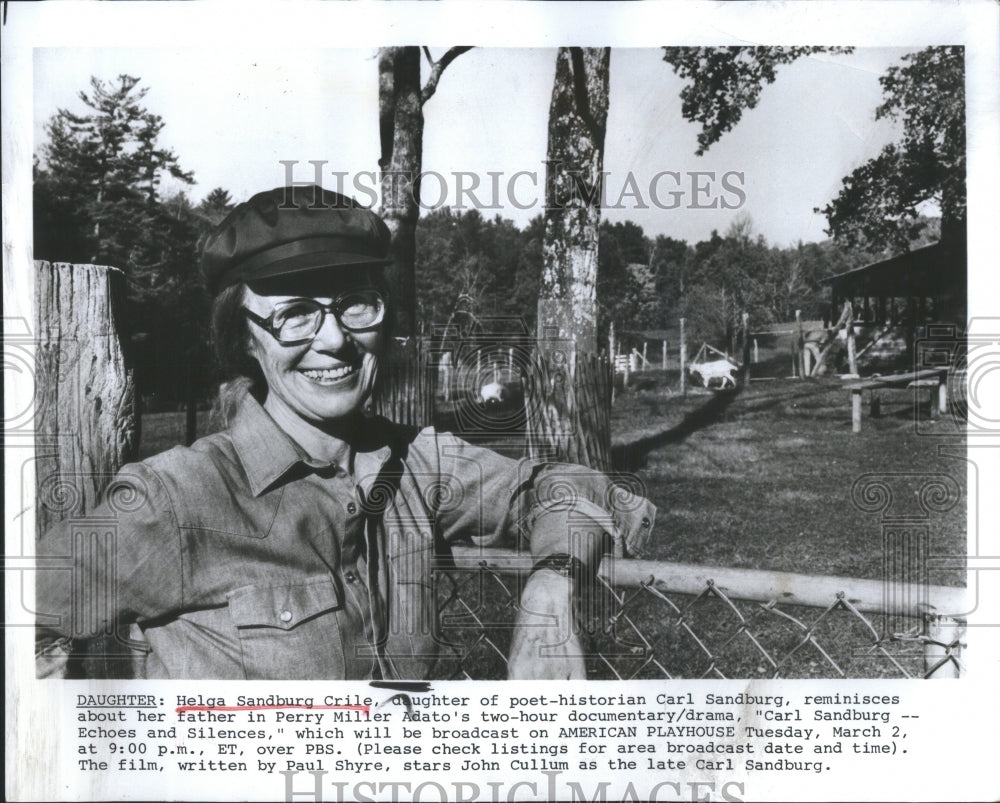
(746, 347)
(800, 335)
(664, 354)
(404, 392)
(86, 405)
(85, 418)
(852, 360)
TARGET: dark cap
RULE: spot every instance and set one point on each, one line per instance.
(292, 230)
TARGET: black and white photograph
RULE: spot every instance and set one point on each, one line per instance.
(555, 416)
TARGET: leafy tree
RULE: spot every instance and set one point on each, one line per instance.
(470, 267)
(99, 180)
(669, 261)
(216, 205)
(626, 292)
(98, 198)
(877, 207)
(724, 81)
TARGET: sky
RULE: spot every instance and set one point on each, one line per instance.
(233, 116)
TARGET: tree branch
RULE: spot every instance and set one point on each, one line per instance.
(386, 106)
(582, 96)
(437, 68)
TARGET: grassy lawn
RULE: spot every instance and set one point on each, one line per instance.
(762, 479)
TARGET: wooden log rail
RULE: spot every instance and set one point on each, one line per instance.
(928, 377)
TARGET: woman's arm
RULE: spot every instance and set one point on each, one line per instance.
(548, 640)
(568, 515)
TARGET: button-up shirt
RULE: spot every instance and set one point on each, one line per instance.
(240, 557)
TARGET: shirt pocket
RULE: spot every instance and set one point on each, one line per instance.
(289, 631)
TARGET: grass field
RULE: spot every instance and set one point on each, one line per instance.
(763, 478)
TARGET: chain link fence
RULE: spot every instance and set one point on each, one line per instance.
(645, 624)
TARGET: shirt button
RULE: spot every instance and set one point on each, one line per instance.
(352, 508)
(645, 521)
(351, 576)
(286, 616)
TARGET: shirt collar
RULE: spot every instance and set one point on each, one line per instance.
(267, 453)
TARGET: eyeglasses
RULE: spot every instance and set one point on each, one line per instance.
(299, 320)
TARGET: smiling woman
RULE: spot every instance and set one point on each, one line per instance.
(301, 541)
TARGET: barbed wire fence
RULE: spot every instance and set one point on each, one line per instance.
(663, 620)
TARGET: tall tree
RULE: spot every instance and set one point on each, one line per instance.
(216, 205)
(99, 198)
(401, 131)
(561, 418)
(578, 116)
(880, 202)
(106, 165)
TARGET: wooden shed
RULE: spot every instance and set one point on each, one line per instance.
(926, 284)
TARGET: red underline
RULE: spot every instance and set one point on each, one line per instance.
(184, 708)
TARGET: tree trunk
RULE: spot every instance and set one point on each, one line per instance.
(401, 129)
(85, 405)
(568, 417)
(567, 304)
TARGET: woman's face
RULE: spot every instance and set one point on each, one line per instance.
(321, 380)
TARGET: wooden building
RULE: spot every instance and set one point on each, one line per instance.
(911, 289)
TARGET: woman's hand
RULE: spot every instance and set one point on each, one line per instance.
(546, 644)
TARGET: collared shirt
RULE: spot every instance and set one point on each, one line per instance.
(240, 557)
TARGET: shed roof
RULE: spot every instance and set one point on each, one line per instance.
(929, 271)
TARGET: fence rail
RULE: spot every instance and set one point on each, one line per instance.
(663, 620)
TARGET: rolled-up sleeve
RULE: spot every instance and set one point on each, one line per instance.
(492, 500)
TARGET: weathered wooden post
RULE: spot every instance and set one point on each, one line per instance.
(85, 404)
(683, 358)
(86, 422)
(756, 352)
(746, 347)
(664, 354)
(852, 360)
(803, 354)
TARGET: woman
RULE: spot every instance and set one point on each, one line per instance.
(299, 542)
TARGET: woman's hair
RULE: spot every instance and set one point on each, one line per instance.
(240, 372)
